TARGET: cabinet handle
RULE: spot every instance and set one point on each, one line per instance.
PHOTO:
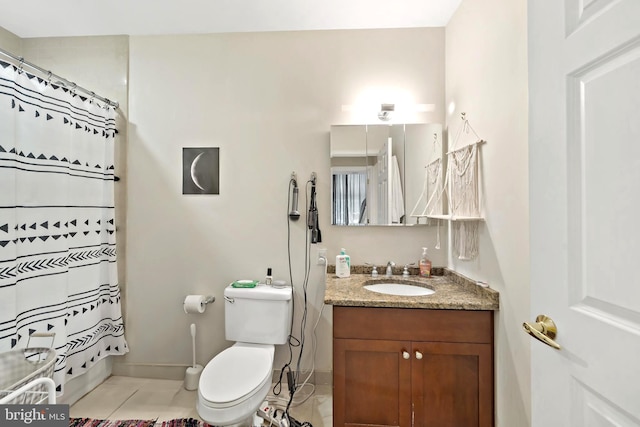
(405, 355)
(418, 355)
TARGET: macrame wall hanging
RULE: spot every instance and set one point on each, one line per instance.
(429, 203)
(435, 189)
(462, 184)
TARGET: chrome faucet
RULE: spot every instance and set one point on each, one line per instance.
(390, 266)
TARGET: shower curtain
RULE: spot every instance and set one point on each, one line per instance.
(349, 198)
(58, 268)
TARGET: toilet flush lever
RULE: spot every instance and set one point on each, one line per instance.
(229, 299)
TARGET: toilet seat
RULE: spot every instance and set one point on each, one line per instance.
(234, 375)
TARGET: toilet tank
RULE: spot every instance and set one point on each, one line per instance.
(260, 315)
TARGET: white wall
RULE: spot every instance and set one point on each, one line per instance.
(10, 42)
(267, 100)
(486, 77)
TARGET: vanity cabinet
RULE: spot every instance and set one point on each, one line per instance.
(412, 367)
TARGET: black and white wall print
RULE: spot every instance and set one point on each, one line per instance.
(201, 170)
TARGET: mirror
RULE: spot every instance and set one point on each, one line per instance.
(386, 174)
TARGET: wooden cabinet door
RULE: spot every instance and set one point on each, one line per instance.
(372, 383)
(452, 384)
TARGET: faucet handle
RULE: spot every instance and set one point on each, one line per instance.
(391, 264)
(405, 272)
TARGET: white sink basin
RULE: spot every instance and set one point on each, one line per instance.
(400, 289)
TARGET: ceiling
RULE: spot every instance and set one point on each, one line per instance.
(61, 18)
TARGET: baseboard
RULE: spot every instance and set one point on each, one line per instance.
(145, 370)
(176, 372)
(324, 378)
(317, 378)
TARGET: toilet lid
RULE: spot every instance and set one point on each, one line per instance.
(235, 373)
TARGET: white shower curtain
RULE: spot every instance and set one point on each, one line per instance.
(349, 198)
(58, 268)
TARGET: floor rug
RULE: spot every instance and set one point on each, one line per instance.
(90, 422)
(182, 422)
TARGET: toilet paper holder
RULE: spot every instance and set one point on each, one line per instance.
(197, 303)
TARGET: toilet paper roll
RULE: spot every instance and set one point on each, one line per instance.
(194, 304)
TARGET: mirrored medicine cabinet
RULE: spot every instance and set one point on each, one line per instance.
(386, 174)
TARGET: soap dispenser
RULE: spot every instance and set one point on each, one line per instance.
(425, 264)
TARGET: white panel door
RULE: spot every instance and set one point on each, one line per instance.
(584, 147)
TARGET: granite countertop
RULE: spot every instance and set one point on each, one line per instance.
(452, 292)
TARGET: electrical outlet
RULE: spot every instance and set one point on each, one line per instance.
(265, 411)
(322, 256)
(272, 415)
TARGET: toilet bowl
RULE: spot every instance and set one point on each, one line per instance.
(236, 382)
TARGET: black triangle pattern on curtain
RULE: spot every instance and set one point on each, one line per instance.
(107, 175)
(92, 122)
(109, 230)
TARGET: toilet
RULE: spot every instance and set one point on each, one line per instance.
(235, 383)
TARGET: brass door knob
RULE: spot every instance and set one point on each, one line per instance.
(544, 330)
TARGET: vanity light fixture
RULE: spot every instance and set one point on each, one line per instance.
(386, 111)
(401, 111)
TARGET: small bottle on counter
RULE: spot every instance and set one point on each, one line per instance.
(269, 279)
(343, 264)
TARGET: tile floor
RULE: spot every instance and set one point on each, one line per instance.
(121, 398)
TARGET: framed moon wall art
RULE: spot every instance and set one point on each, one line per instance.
(201, 170)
